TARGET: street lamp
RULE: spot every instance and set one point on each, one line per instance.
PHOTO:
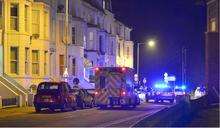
(151, 44)
(65, 73)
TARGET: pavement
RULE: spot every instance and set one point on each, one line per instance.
(115, 117)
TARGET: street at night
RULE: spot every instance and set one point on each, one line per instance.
(109, 63)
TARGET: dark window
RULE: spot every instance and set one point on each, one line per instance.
(73, 35)
(74, 67)
(101, 46)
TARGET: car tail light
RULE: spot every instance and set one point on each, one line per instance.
(123, 69)
(96, 69)
(123, 93)
(96, 93)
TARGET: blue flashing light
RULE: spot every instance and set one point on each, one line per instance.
(183, 87)
(161, 86)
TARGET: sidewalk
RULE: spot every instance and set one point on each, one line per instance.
(7, 112)
(183, 116)
(206, 117)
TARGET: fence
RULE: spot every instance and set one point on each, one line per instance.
(9, 102)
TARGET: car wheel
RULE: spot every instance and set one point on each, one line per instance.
(37, 109)
(83, 105)
(64, 107)
(92, 104)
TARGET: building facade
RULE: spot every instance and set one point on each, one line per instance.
(212, 48)
(37, 43)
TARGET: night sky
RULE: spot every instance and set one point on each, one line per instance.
(173, 23)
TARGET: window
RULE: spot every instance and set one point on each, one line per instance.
(14, 60)
(27, 55)
(46, 26)
(128, 50)
(112, 47)
(74, 66)
(101, 46)
(45, 63)
(61, 64)
(36, 22)
(35, 62)
(119, 50)
(14, 17)
(73, 35)
(1, 14)
(61, 31)
(26, 18)
(103, 4)
(213, 25)
(91, 36)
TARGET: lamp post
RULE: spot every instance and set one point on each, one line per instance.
(65, 73)
(151, 44)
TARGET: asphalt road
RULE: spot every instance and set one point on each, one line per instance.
(84, 118)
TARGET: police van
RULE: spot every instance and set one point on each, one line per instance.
(114, 86)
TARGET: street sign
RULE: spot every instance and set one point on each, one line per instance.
(170, 78)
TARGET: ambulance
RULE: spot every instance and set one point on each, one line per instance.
(114, 86)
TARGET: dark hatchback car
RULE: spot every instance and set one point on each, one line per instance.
(54, 95)
(84, 98)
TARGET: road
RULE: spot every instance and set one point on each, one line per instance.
(84, 118)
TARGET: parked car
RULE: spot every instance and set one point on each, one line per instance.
(83, 98)
(54, 95)
(165, 94)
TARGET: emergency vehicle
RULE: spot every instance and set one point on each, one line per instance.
(114, 86)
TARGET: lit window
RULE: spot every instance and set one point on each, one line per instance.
(46, 24)
(103, 4)
(91, 36)
(213, 25)
(128, 50)
(14, 60)
(26, 18)
(45, 63)
(27, 61)
(35, 62)
(119, 50)
(61, 64)
(36, 22)
(14, 17)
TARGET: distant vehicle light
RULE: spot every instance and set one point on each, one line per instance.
(123, 93)
(183, 87)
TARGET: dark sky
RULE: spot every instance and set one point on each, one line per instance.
(173, 23)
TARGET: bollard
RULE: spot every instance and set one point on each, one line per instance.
(0, 102)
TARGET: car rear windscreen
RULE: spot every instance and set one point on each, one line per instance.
(48, 86)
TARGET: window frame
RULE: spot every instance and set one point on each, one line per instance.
(15, 61)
